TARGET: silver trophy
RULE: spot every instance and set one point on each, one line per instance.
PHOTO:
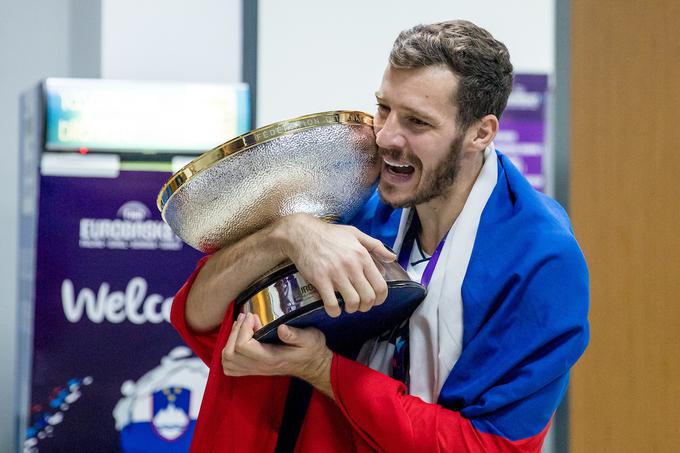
(326, 165)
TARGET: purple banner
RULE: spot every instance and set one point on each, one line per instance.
(109, 372)
(523, 128)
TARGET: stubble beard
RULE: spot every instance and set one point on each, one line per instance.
(444, 177)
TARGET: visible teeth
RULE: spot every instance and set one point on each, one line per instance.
(394, 164)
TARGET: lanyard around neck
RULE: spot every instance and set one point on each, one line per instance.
(407, 247)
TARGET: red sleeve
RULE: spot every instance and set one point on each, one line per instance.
(388, 419)
(203, 344)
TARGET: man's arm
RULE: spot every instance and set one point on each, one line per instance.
(226, 274)
(376, 405)
(333, 258)
(368, 398)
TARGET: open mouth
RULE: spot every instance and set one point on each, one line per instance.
(398, 168)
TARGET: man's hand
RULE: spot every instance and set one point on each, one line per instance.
(333, 258)
(336, 258)
(304, 355)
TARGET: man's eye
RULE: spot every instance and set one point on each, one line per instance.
(418, 121)
(382, 108)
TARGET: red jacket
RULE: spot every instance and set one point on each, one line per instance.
(372, 412)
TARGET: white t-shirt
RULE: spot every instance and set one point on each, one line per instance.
(417, 262)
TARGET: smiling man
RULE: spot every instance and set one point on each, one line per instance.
(484, 361)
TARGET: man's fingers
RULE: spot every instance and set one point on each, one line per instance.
(349, 295)
(298, 337)
(245, 366)
(377, 282)
(379, 265)
(228, 371)
(257, 323)
(228, 350)
(376, 248)
(290, 335)
(365, 291)
(246, 346)
(330, 301)
(246, 331)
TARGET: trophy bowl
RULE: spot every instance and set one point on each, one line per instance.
(283, 296)
(324, 164)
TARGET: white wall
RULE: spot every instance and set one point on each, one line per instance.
(177, 40)
(34, 43)
(316, 56)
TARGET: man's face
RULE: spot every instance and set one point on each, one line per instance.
(417, 134)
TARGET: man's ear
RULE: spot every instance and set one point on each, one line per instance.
(483, 132)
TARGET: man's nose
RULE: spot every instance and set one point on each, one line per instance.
(390, 135)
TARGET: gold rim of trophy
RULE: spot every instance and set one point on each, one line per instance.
(253, 138)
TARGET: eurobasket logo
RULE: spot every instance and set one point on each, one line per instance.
(158, 412)
(131, 229)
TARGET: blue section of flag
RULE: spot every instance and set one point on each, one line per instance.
(525, 305)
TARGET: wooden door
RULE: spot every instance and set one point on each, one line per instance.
(625, 205)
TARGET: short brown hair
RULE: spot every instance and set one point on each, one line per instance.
(481, 63)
